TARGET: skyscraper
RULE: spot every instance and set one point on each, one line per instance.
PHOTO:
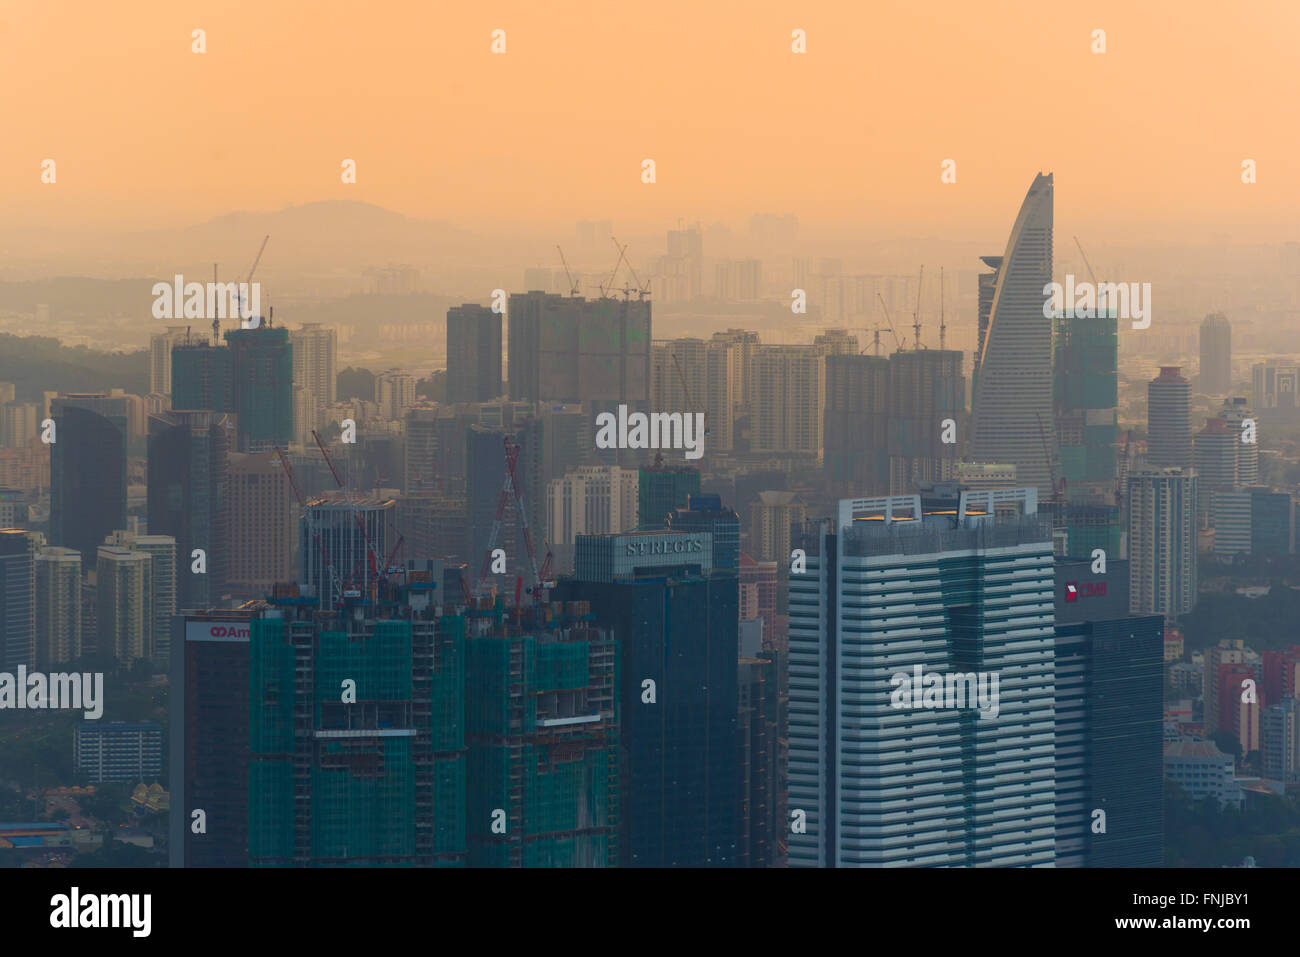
(124, 594)
(87, 471)
(342, 543)
(1169, 420)
(163, 575)
(705, 513)
(17, 600)
(202, 376)
(263, 528)
(58, 606)
(676, 626)
(946, 582)
(857, 424)
(1216, 354)
(1160, 508)
(771, 518)
(1012, 395)
(662, 488)
(593, 499)
(790, 399)
(160, 358)
(262, 386)
(926, 392)
(315, 374)
(473, 354)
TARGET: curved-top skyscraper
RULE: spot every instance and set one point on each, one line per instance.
(1012, 413)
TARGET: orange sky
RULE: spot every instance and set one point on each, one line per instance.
(1154, 131)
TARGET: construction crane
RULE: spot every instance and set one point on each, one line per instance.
(573, 286)
(943, 329)
(336, 586)
(509, 490)
(690, 399)
(898, 342)
(372, 554)
(875, 341)
(916, 315)
(1058, 516)
(618, 262)
(1096, 285)
(641, 290)
(239, 302)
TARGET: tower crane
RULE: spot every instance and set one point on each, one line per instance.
(916, 315)
(890, 321)
(573, 286)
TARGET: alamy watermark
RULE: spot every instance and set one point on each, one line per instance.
(57, 691)
(213, 300)
(1087, 300)
(654, 430)
(971, 689)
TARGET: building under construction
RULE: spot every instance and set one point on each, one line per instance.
(542, 722)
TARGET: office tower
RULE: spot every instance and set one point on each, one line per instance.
(486, 454)
(315, 376)
(342, 542)
(758, 587)
(662, 488)
(372, 774)
(87, 473)
(209, 748)
(744, 384)
(593, 499)
(188, 488)
(1274, 390)
(790, 398)
(118, 751)
(927, 397)
(857, 424)
(395, 393)
(1216, 355)
(676, 626)
(58, 606)
(163, 575)
(1169, 424)
(706, 513)
(1012, 375)
(1272, 522)
(262, 382)
(437, 526)
(943, 582)
(760, 825)
(541, 724)
(17, 600)
(1160, 512)
(160, 358)
(1220, 659)
(1280, 732)
(569, 349)
(202, 376)
(259, 502)
(771, 518)
(124, 593)
(1109, 702)
(473, 353)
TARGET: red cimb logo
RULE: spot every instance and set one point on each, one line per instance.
(1071, 591)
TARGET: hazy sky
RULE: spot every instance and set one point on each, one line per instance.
(1147, 136)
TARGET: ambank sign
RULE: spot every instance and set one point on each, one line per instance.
(216, 630)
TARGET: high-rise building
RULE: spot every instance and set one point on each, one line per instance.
(372, 773)
(705, 513)
(759, 582)
(591, 500)
(927, 397)
(569, 349)
(262, 386)
(1160, 512)
(473, 353)
(1215, 452)
(759, 819)
(486, 452)
(394, 393)
(58, 606)
(163, 590)
(1272, 522)
(18, 424)
(676, 627)
(160, 358)
(1169, 422)
(124, 594)
(260, 504)
(17, 600)
(87, 472)
(745, 384)
(837, 342)
(790, 401)
(1109, 680)
(857, 424)
(943, 582)
(1087, 396)
(771, 518)
(1216, 355)
(686, 254)
(1219, 659)
(662, 488)
(315, 374)
(1275, 390)
(202, 376)
(188, 498)
(541, 726)
(1012, 417)
(341, 544)
(1243, 424)
(1280, 732)
(208, 735)
(692, 375)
